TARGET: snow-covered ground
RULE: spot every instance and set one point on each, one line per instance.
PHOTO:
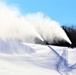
(33, 59)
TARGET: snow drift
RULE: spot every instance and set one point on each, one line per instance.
(32, 59)
(31, 28)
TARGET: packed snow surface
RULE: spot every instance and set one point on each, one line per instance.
(18, 58)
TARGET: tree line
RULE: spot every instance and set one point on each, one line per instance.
(71, 33)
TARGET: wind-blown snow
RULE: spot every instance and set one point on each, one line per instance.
(31, 28)
(11, 47)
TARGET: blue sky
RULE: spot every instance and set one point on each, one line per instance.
(62, 11)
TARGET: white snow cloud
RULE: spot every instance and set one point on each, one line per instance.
(10, 15)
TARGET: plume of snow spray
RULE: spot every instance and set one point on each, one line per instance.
(50, 30)
(32, 28)
(14, 27)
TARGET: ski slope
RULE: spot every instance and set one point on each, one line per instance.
(33, 59)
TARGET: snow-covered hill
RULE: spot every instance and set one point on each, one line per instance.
(18, 58)
(33, 59)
